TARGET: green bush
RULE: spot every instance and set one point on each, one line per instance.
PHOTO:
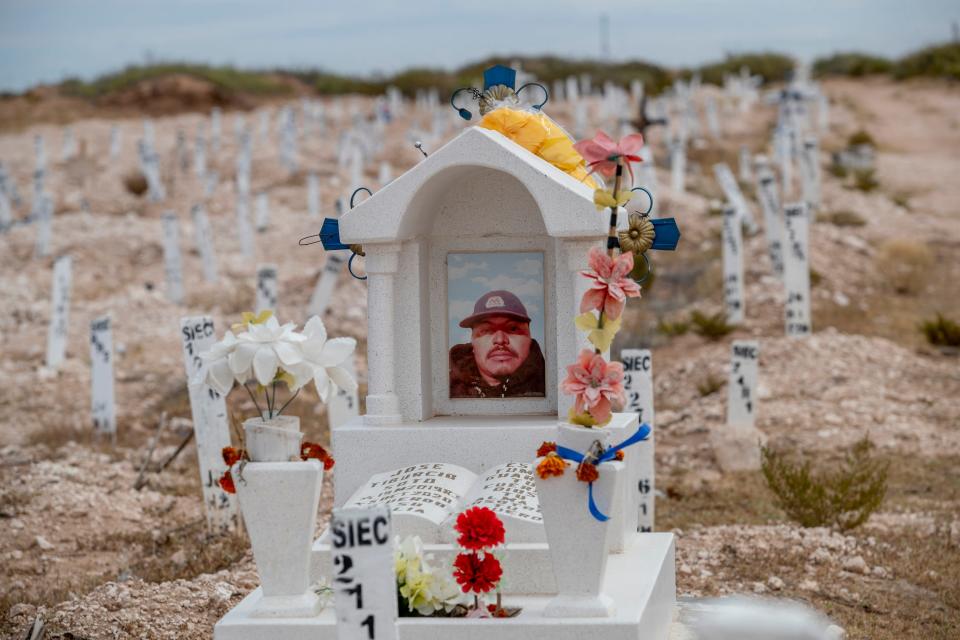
(843, 498)
(713, 326)
(851, 64)
(941, 331)
(941, 61)
(772, 67)
(226, 78)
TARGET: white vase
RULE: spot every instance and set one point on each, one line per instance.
(578, 541)
(274, 440)
(279, 504)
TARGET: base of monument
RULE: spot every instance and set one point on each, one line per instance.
(641, 583)
(307, 605)
(601, 606)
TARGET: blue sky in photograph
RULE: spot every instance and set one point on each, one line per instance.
(47, 40)
(470, 275)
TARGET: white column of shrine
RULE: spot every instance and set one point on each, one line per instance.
(572, 256)
(382, 263)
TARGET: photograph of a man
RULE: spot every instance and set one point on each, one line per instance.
(501, 360)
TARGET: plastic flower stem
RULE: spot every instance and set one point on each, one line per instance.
(254, 398)
(612, 234)
(288, 401)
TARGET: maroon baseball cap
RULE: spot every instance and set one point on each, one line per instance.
(496, 303)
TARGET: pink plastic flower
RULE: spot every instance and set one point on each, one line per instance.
(611, 283)
(597, 385)
(602, 153)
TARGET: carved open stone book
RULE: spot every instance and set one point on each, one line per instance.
(425, 499)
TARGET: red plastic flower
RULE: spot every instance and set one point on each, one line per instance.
(610, 285)
(597, 385)
(226, 483)
(602, 153)
(475, 574)
(311, 450)
(479, 528)
(232, 455)
(545, 448)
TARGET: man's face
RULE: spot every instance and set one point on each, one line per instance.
(500, 345)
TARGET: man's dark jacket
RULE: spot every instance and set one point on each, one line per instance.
(466, 382)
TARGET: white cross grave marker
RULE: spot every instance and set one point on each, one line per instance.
(60, 312)
(638, 384)
(44, 226)
(210, 424)
(344, 404)
(732, 238)
(263, 211)
(810, 174)
(6, 215)
(115, 138)
(364, 584)
(746, 165)
(244, 228)
(678, 166)
(267, 288)
(742, 386)
(204, 240)
(772, 215)
(103, 407)
(323, 291)
(734, 196)
(171, 257)
(313, 195)
(796, 270)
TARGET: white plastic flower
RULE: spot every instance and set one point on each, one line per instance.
(425, 590)
(264, 347)
(323, 359)
(219, 374)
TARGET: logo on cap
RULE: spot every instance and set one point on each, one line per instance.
(494, 301)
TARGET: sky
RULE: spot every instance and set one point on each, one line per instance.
(470, 275)
(47, 40)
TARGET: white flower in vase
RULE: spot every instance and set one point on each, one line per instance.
(323, 359)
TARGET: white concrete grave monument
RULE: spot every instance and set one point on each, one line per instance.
(481, 224)
(732, 241)
(796, 270)
(59, 312)
(103, 406)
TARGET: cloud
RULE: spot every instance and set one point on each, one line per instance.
(460, 309)
(530, 266)
(517, 286)
(462, 270)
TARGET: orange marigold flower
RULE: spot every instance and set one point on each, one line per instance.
(546, 448)
(551, 465)
(226, 482)
(587, 472)
(619, 455)
(232, 455)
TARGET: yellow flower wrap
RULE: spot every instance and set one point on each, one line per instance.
(542, 137)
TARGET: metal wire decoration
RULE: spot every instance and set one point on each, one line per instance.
(496, 95)
(329, 236)
(640, 235)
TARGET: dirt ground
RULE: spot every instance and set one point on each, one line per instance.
(100, 559)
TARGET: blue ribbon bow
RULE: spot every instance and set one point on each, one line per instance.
(642, 432)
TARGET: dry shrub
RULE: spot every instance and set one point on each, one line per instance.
(845, 219)
(713, 326)
(865, 180)
(135, 182)
(670, 329)
(905, 265)
(941, 331)
(709, 385)
(843, 498)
